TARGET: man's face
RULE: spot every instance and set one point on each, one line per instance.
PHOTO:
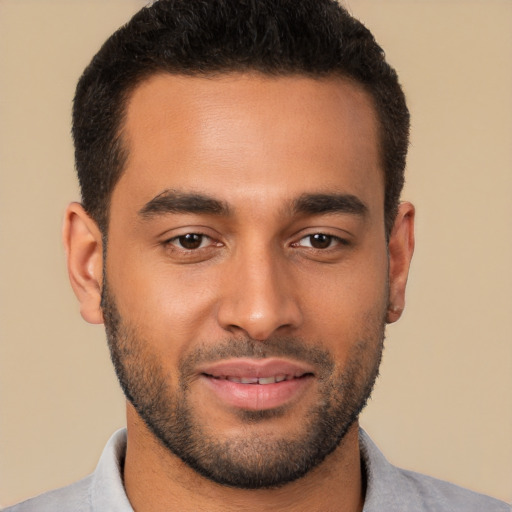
(246, 274)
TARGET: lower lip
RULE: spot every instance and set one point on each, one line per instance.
(257, 397)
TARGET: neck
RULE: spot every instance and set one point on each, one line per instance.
(156, 480)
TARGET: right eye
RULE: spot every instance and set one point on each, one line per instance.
(318, 241)
(190, 241)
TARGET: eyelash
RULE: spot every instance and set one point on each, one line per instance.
(332, 238)
(203, 238)
(175, 240)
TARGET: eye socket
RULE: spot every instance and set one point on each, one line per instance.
(191, 241)
(194, 241)
(320, 241)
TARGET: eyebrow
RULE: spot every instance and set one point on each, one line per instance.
(171, 201)
(317, 204)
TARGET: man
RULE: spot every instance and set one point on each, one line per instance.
(242, 239)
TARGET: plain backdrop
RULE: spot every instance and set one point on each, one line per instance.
(443, 403)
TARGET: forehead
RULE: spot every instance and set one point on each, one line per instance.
(239, 136)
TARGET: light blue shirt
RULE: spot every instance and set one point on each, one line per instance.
(388, 489)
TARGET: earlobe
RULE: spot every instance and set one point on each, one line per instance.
(84, 251)
(400, 248)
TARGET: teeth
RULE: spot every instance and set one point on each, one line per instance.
(260, 380)
(249, 380)
(267, 380)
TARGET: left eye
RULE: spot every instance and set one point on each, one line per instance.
(319, 241)
(191, 241)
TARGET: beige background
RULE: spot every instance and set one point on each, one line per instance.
(443, 404)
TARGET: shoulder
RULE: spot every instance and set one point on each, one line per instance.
(433, 494)
(391, 489)
(74, 497)
(103, 490)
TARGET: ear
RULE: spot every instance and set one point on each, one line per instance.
(84, 251)
(400, 249)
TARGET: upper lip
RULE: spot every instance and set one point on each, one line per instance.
(256, 368)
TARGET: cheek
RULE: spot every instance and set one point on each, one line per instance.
(349, 291)
(348, 306)
(167, 306)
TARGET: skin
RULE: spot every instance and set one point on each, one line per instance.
(256, 144)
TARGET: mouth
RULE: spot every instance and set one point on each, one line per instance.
(274, 379)
(257, 384)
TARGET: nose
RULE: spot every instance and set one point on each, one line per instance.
(259, 298)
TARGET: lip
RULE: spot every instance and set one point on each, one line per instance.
(236, 382)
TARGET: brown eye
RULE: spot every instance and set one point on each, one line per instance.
(320, 241)
(189, 241)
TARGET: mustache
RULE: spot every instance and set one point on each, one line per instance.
(286, 347)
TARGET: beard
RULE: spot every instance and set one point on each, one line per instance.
(247, 459)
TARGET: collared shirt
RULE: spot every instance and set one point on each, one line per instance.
(388, 488)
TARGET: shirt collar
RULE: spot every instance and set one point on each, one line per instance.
(107, 489)
(108, 493)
